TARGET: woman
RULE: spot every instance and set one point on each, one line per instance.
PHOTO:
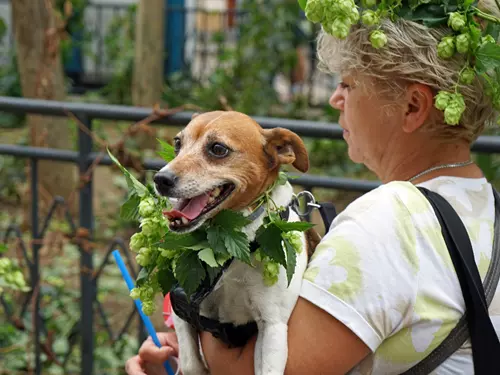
(381, 292)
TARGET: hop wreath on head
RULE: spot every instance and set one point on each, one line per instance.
(467, 37)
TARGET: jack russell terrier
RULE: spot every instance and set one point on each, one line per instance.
(225, 160)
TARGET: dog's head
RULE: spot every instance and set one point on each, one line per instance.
(224, 160)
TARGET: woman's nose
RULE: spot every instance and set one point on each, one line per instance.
(337, 99)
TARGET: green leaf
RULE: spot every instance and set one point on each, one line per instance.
(291, 259)
(237, 245)
(430, 15)
(166, 279)
(230, 219)
(199, 246)
(287, 226)
(130, 209)
(174, 241)
(303, 4)
(189, 271)
(216, 241)
(488, 57)
(493, 29)
(213, 273)
(269, 240)
(3, 248)
(143, 276)
(167, 153)
(207, 255)
(282, 178)
(132, 182)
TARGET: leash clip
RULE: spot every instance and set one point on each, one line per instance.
(307, 207)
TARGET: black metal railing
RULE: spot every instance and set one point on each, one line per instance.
(83, 158)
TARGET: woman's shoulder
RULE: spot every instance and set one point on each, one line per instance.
(395, 200)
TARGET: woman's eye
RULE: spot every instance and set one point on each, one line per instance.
(219, 150)
(343, 85)
(177, 144)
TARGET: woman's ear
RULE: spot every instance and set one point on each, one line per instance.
(419, 105)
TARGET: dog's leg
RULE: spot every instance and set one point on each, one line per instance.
(271, 348)
(190, 358)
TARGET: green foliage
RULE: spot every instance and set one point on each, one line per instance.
(60, 303)
(266, 47)
(119, 46)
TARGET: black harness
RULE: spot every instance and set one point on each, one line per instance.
(188, 309)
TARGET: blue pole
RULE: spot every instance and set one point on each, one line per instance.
(175, 27)
(145, 318)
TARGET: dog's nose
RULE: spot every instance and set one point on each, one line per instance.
(165, 180)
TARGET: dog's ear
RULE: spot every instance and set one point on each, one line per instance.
(285, 147)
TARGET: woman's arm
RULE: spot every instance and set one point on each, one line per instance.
(317, 344)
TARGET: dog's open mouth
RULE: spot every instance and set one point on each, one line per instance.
(188, 211)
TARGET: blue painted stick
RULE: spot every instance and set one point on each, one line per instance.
(145, 318)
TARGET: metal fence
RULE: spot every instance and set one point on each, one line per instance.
(83, 158)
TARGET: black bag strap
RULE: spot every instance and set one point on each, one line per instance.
(476, 322)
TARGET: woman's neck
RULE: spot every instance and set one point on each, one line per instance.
(411, 159)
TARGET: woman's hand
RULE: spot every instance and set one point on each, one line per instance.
(150, 359)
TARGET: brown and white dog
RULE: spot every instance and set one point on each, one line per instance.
(225, 160)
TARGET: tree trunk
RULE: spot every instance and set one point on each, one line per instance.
(147, 82)
(37, 36)
(147, 79)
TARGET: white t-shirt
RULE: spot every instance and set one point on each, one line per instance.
(384, 271)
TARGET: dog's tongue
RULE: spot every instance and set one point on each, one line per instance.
(191, 210)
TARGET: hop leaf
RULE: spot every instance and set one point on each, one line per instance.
(135, 293)
(270, 271)
(457, 21)
(343, 6)
(487, 39)
(463, 43)
(454, 110)
(467, 76)
(315, 11)
(370, 3)
(370, 18)
(339, 28)
(136, 242)
(148, 307)
(442, 99)
(147, 207)
(144, 257)
(378, 39)
(446, 48)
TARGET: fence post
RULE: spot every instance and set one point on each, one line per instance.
(35, 270)
(87, 283)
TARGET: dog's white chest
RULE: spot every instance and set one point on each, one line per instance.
(233, 298)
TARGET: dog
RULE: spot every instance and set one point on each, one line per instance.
(225, 160)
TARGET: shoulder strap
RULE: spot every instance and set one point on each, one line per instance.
(476, 322)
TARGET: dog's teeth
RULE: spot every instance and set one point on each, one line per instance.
(211, 199)
(216, 192)
(184, 220)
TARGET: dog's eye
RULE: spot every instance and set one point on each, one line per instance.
(218, 150)
(177, 144)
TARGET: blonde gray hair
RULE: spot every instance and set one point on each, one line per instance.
(410, 56)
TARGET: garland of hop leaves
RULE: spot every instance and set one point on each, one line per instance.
(480, 48)
(190, 259)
